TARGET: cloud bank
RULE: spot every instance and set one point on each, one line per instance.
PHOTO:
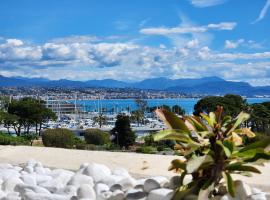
(79, 58)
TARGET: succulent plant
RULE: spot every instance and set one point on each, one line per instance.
(213, 149)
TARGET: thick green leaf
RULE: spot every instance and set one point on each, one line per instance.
(193, 188)
(240, 167)
(212, 117)
(229, 183)
(242, 117)
(178, 164)
(208, 119)
(181, 135)
(229, 145)
(249, 153)
(171, 120)
(198, 126)
(259, 156)
(226, 120)
(260, 144)
(226, 150)
(196, 162)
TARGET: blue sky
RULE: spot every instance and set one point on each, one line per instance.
(136, 39)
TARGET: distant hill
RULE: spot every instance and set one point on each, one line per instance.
(206, 85)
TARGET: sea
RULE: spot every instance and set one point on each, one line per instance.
(119, 105)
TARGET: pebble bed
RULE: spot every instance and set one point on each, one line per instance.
(94, 181)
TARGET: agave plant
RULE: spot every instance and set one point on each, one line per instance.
(212, 148)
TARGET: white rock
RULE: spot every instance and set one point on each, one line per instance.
(70, 190)
(39, 170)
(255, 190)
(121, 172)
(58, 172)
(242, 190)
(59, 181)
(127, 183)
(42, 196)
(47, 170)
(22, 189)
(259, 196)
(154, 183)
(79, 179)
(17, 168)
(134, 194)
(227, 197)
(117, 195)
(29, 179)
(160, 194)
(104, 195)
(115, 187)
(8, 173)
(38, 164)
(31, 162)
(29, 169)
(6, 166)
(113, 179)
(86, 191)
(101, 187)
(97, 171)
(10, 184)
(12, 196)
(42, 178)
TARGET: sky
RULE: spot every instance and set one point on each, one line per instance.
(132, 40)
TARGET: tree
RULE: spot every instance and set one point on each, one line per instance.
(26, 113)
(232, 104)
(122, 133)
(178, 110)
(100, 120)
(137, 116)
(260, 117)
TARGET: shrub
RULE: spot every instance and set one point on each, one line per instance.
(160, 148)
(63, 138)
(96, 136)
(146, 149)
(79, 143)
(6, 139)
(213, 149)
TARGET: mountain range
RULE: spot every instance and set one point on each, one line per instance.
(206, 85)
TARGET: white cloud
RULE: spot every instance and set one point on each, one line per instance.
(206, 3)
(263, 12)
(229, 44)
(188, 29)
(127, 61)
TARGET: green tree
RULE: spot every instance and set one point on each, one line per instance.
(96, 137)
(122, 133)
(260, 117)
(100, 120)
(178, 110)
(232, 104)
(29, 112)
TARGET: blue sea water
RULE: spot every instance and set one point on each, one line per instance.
(118, 105)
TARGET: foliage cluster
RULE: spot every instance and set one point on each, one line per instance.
(96, 136)
(24, 114)
(213, 149)
(58, 137)
(6, 139)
